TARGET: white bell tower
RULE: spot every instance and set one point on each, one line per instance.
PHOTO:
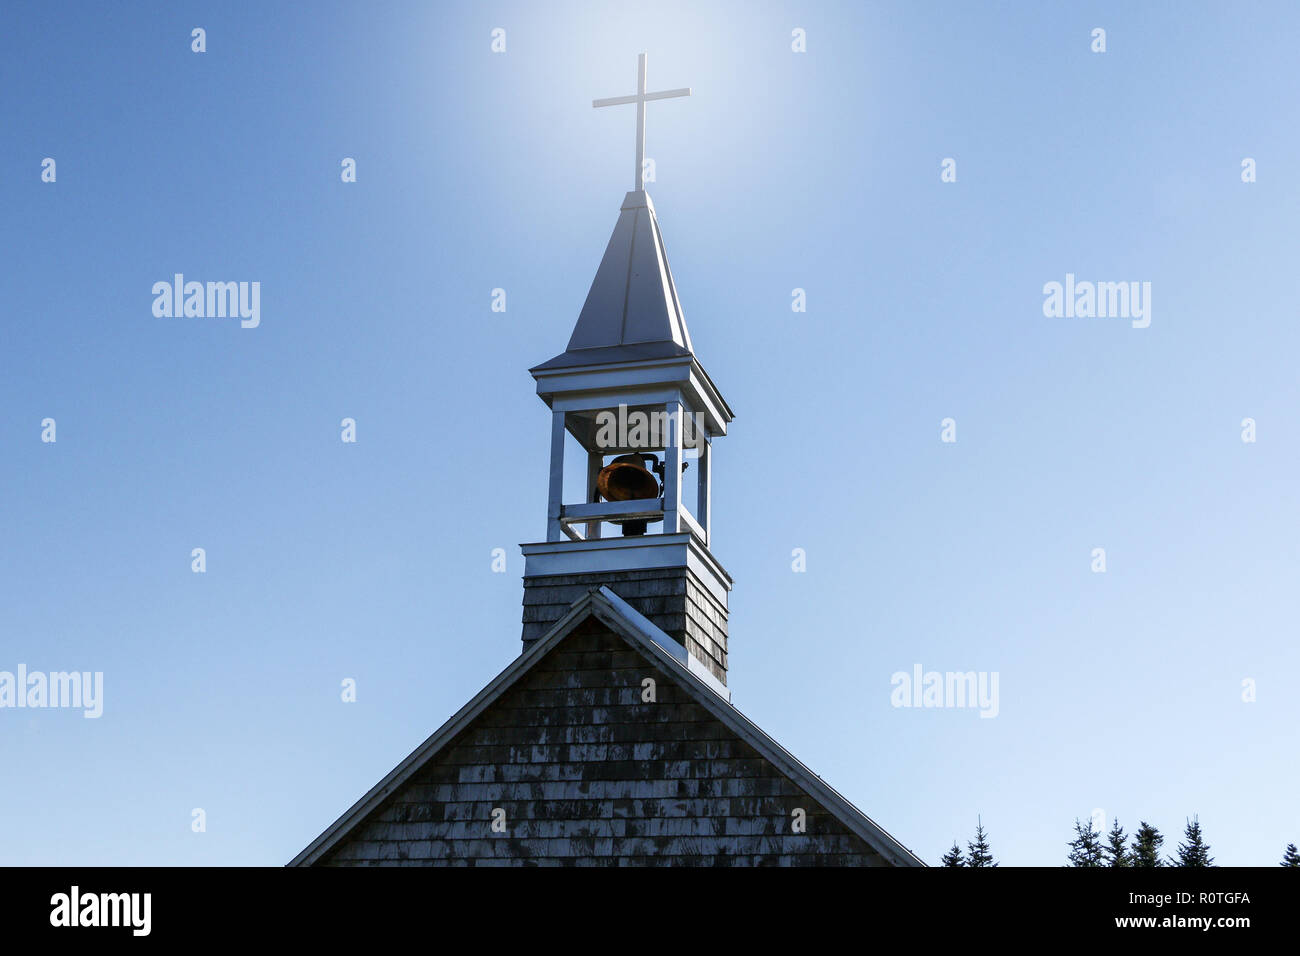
(630, 391)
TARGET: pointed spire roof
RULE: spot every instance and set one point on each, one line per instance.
(632, 311)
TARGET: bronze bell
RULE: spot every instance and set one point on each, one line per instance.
(626, 478)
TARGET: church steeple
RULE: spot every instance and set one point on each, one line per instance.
(633, 299)
(631, 392)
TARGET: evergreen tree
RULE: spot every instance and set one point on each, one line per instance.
(978, 851)
(1146, 846)
(953, 857)
(1195, 852)
(1291, 857)
(1085, 848)
(1116, 853)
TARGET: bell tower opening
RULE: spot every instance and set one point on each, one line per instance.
(629, 484)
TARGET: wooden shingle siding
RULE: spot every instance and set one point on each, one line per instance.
(589, 774)
(672, 598)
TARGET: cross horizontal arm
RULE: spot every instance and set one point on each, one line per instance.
(641, 98)
(669, 94)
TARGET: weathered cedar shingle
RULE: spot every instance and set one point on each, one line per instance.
(589, 774)
(672, 598)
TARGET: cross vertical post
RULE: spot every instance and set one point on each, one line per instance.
(640, 122)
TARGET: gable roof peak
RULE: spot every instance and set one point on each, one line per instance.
(642, 635)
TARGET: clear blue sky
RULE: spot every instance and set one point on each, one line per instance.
(1120, 691)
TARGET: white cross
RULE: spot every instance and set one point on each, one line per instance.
(640, 99)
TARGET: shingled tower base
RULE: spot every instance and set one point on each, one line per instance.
(673, 581)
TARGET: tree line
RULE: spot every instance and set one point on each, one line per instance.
(1089, 848)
